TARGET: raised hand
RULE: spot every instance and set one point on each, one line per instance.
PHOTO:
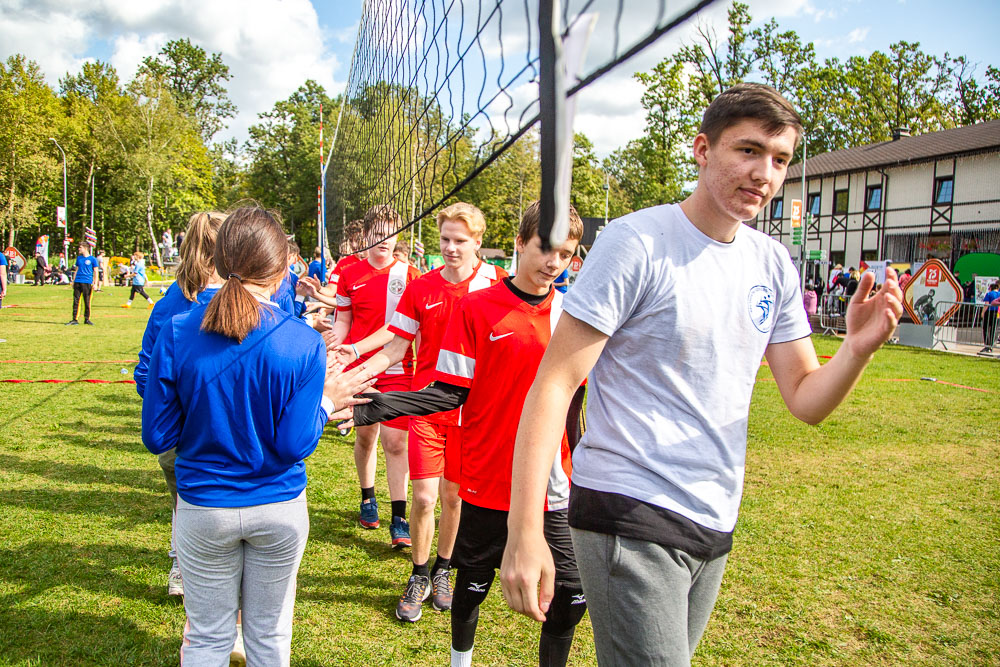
(871, 320)
(345, 354)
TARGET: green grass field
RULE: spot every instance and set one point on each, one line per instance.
(870, 539)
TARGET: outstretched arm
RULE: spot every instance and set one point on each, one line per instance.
(811, 391)
(527, 561)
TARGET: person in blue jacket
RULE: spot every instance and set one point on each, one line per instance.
(288, 296)
(242, 390)
(197, 282)
(138, 280)
(83, 283)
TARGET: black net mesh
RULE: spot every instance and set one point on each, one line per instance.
(438, 89)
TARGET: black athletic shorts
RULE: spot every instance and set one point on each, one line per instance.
(482, 536)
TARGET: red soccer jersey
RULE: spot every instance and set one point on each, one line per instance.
(371, 295)
(337, 270)
(493, 346)
(425, 309)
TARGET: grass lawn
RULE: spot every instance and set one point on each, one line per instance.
(870, 539)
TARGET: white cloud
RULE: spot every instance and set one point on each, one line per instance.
(858, 35)
(271, 46)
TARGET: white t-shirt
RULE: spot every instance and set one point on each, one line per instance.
(689, 319)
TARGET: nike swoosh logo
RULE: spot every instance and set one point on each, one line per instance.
(494, 338)
(432, 305)
(359, 286)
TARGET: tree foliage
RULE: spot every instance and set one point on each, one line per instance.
(142, 149)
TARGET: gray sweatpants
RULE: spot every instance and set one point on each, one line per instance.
(649, 604)
(166, 461)
(227, 554)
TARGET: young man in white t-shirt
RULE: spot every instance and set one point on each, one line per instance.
(670, 316)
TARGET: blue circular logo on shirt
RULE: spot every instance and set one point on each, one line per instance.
(760, 307)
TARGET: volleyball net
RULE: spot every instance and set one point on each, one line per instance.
(439, 89)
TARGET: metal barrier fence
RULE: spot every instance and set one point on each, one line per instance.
(954, 323)
(963, 323)
(831, 314)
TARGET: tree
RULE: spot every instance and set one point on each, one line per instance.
(30, 110)
(153, 138)
(196, 81)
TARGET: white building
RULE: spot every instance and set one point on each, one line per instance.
(934, 195)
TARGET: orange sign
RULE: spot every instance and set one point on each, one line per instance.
(796, 213)
(576, 264)
(932, 284)
(16, 258)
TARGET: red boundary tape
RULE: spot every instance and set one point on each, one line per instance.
(62, 381)
(25, 361)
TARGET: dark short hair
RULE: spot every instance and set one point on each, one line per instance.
(750, 101)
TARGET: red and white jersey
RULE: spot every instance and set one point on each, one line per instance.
(336, 271)
(424, 312)
(493, 346)
(371, 296)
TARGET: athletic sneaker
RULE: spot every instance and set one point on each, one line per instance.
(88, 322)
(72, 322)
(175, 585)
(369, 514)
(238, 656)
(126, 305)
(441, 584)
(410, 607)
(399, 533)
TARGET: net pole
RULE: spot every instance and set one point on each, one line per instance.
(551, 106)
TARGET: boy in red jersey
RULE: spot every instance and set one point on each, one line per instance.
(425, 309)
(487, 363)
(367, 294)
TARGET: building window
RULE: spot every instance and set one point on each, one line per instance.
(776, 206)
(873, 198)
(840, 202)
(814, 204)
(943, 190)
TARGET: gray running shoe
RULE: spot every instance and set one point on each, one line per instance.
(441, 583)
(175, 585)
(418, 589)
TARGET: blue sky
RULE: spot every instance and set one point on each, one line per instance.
(272, 46)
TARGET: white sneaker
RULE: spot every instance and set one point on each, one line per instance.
(238, 657)
(175, 585)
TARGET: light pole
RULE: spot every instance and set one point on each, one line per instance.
(607, 190)
(805, 203)
(65, 205)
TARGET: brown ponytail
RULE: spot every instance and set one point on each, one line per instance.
(197, 252)
(250, 250)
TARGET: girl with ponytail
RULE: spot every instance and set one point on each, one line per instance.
(242, 390)
(197, 282)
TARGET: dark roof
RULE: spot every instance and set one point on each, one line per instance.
(969, 139)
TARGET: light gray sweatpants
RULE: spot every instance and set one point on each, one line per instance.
(649, 604)
(233, 557)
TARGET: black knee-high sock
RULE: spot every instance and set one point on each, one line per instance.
(565, 612)
(399, 508)
(471, 588)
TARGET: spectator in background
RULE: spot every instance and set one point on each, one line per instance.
(904, 278)
(138, 274)
(850, 282)
(102, 262)
(62, 261)
(168, 245)
(402, 252)
(179, 241)
(562, 281)
(40, 266)
(3, 277)
(810, 299)
(991, 304)
(83, 283)
(316, 266)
